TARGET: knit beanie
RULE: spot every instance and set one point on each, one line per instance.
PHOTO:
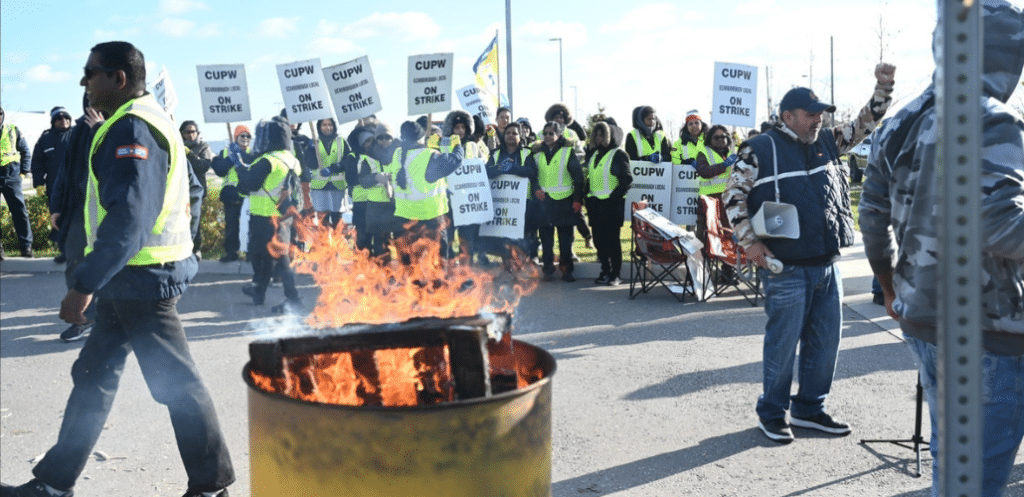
(693, 116)
(411, 132)
(241, 128)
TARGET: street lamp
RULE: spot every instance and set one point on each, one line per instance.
(561, 97)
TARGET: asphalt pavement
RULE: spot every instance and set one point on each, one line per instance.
(652, 397)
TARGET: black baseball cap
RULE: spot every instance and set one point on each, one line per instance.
(804, 98)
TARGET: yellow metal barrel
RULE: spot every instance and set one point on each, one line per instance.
(495, 446)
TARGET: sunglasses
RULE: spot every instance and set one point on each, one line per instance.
(90, 71)
(384, 138)
(245, 136)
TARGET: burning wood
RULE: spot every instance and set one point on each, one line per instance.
(419, 362)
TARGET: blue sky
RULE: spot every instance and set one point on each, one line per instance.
(618, 54)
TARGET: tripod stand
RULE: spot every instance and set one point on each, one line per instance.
(916, 439)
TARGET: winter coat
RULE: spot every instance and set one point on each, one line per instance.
(898, 213)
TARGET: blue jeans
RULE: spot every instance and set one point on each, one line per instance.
(804, 306)
(1003, 412)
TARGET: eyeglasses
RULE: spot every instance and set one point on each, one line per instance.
(90, 71)
(247, 137)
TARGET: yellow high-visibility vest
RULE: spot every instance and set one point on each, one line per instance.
(554, 177)
(263, 202)
(602, 181)
(170, 238)
(419, 200)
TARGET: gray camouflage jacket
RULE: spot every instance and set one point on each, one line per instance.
(898, 206)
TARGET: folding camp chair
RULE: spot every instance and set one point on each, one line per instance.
(656, 257)
(728, 266)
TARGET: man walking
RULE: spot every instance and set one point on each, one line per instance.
(797, 162)
(139, 260)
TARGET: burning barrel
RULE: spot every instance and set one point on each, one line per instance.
(450, 407)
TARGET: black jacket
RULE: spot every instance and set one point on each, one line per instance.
(49, 155)
(67, 197)
(132, 191)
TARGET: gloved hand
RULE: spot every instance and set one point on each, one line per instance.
(656, 157)
(492, 130)
(577, 207)
(455, 141)
(325, 172)
(434, 142)
(540, 195)
(401, 179)
(234, 148)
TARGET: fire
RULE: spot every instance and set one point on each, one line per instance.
(415, 281)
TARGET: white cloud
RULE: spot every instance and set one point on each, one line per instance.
(573, 34)
(405, 26)
(181, 6)
(207, 30)
(102, 34)
(44, 74)
(327, 45)
(277, 27)
(175, 27)
(326, 28)
(647, 18)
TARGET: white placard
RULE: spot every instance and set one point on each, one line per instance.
(163, 91)
(685, 190)
(430, 83)
(474, 100)
(508, 194)
(734, 97)
(304, 91)
(224, 93)
(652, 183)
(470, 193)
(353, 90)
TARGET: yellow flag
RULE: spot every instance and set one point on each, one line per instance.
(486, 69)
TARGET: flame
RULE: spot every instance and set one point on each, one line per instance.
(413, 281)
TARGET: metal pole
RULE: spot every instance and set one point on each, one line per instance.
(497, 68)
(508, 50)
(561, 94)
(959, 250)
(832, 75)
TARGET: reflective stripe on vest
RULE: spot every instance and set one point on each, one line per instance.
(377, 193)
(718, 183)
(553, 177)
(170, 239)
(231, 179)
(602, 182)
(325, 159)
(642, 147)
(420, 200)
(9, 145)
(263, 202)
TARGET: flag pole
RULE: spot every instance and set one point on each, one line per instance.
(497, 67)
(508, 49)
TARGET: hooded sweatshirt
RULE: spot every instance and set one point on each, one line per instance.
(900, 191)
(655, 138)
(611, 209)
